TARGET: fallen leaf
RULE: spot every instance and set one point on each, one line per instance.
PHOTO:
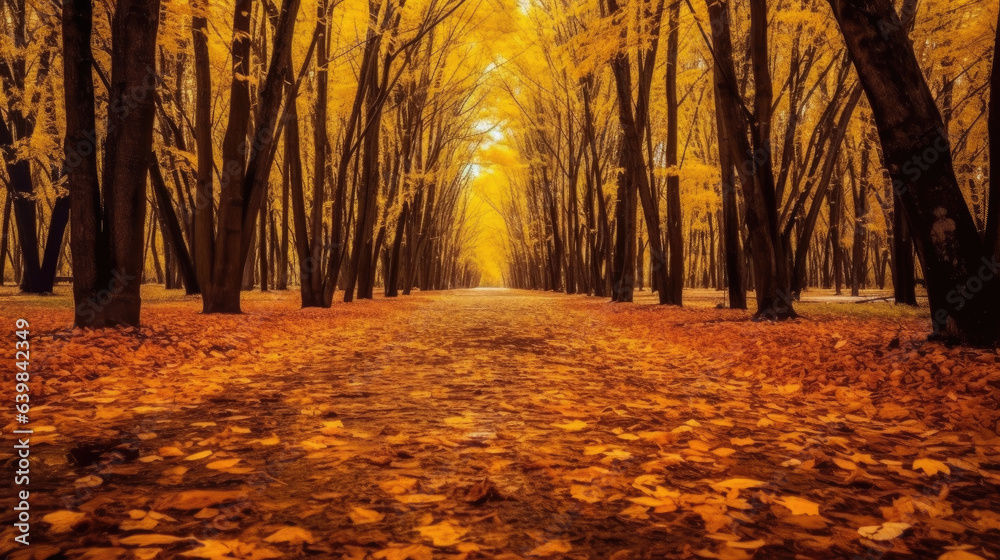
(149, 539)
(574, 426)
(931, 467)
(291, 535)
(960, 555)
(551, 548)
(586, 493)
(362, 516)
(800, 506)
(740, 483)
(198, 499)
(746, 544)
(198, 455)
(398, 485)
(445, 533)
(62, 521)
(883, 532)
(223, 464)
(89, 481)
(421, 498)
(408, 552)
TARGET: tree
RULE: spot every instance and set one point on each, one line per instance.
(246, 163)
(752, 160)
(960, 268)
(108, 210)
(18, 128)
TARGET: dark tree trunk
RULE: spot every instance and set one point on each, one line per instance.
(244, 181)
(38, 274)
(309, 268)
(730, 216)
(203, 244)
(5, 237)
(262, 245)
(859, 247)
(361, 274)
(771, 278)
(634, 179)
(316, 277)
(962, 281)
(107, 241)
(904, 282)
(174, 238)
(282, 280)
(675, 240)
(836, 202)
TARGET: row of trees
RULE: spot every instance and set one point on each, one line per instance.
(758, 145)
(198, 144)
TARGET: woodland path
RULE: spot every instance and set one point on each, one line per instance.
(507, 424)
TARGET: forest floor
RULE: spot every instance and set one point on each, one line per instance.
(504, 424)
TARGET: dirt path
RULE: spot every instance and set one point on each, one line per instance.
(503, 424)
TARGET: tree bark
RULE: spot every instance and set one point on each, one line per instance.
(675, 239)
(962, 279)
(753, 165)
(203, 244)
(247, 162)
(174, 239)
(107, 240)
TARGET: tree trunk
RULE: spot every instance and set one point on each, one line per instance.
(904, 283)
(174, 240)
(309, 268)
(730, 215)
(107, 241)
(771, 279)
(675, 240)
(962, 281)
(203, 244)
(316, 278)
(262, 246)
(244, 181)
(5, 237)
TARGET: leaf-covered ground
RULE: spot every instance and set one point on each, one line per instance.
(504, 424)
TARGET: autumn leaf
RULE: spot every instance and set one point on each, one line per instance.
(362, 516)
(748, 545)
(223, 464)
(398, 485)
(740, 483)
(406, 552)
(800, 506)
(421, 498)
(636, 511)
(291, 535)
(150, 539)
(89, 481)
(931, 467)
(586, 493)
(198, 499)
(960, 555)
(63, 521)
(442, 534)
(884, 532)
(552, 548)
(574, 426)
